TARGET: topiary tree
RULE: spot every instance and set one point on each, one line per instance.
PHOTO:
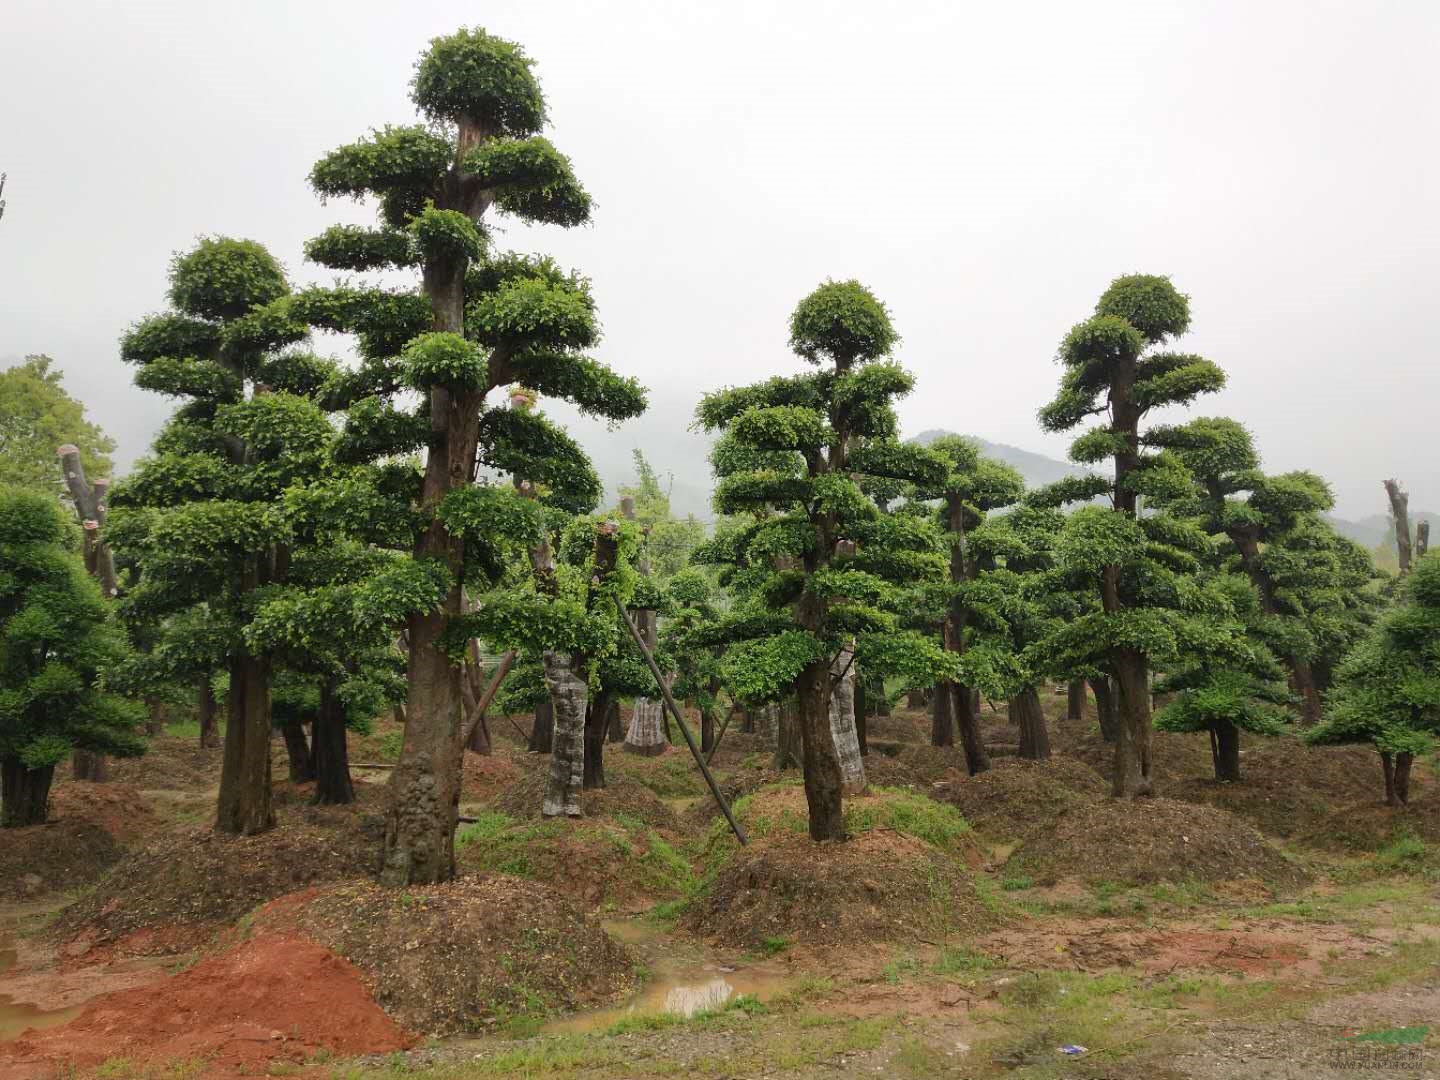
(200, 517)
(1113, 367)
(478, 322)
(1387, 693)
(826, 559)
(57, 638)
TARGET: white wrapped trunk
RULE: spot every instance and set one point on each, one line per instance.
(842, 724)
(569, 695)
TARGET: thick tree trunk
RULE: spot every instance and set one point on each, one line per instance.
(90, 767)
(646, 733)
(542, 731)
(1106, 709)
(597, 723)
(614, 723)
(155, 716)
(329, 752)
(480, 738)
(1400, 516)
(1132, 745)
(942, 720)
(1387, 764)
(244, 806)
(569, 695)
(1422, 538)
(1030, 715)
(24, 793)
(1302, 681)
(707, 729)
(205, 710)
(917, 699)
(788, 747)
(820, 765)
(1225, 747)
(302, 768)
(965, 704)
(1075, 701)
(842, 723)
(1403, 761)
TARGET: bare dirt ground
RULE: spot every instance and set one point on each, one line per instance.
(1016, 924)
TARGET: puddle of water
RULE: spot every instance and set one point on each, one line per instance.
(17, 1017)
(679, 985)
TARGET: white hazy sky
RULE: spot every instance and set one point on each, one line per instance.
(985, 168)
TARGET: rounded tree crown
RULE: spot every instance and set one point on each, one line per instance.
(28, 517)
(841, 321)
(1148, 302)
(224, 278)
(472, 75)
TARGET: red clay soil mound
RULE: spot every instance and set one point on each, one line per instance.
(273, 998)
(88, 826)
(200, 876)
(1017, 799)
(621, 797)
(486, 775)
(879, 886)
(465, 955)
(1145, 841)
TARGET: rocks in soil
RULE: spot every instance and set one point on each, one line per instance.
(467, 955)
(1016, 799)
(1146, 841)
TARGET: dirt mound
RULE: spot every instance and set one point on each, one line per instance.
(486, 775)
(892, 772)
(623, 797)
(170, 764)
(932, 763)
(199, 876)
(54, 858)
(1144, 841)
(117, 808)
(1369, 825)
(274, 998)
(879, 886)
(470, 954)
(1017, 799)
(734, 787)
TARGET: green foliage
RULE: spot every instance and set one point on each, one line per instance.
(36, 417)
(473, 76)
(444, 359)
(223, 279)
(841, 322)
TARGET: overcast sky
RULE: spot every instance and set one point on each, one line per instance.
(985, 168)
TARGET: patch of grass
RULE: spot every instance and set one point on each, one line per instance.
(917, 1058)
(1404, 852)
(391, 743)
(910, 813)
(960, 962)
(503, 844)
(902, 967)
(184, 729)
(748, 1004)
(1016, 883)
(773, 946)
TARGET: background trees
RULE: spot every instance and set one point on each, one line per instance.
(478, 322)
(36, 417)
(57, 638)
(790, 452)
(1137, 564)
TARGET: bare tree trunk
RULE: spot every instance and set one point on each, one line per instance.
(707, 729)
(823, 785)
(1387, 764)
(205, 709)
(542, 732)
(1226, 748)
(614, 725)
(244, 806)
(330, 753)
(1105, 708)
(1422, 538)
(789, 753)
(1400, 515)
(1026, 709)
(1075, 701)
(965, 704)
(1302, 681)
(842, 723)
(597, 723)
(1403, 761)
(155, 716)
(916, 699)
(569, 695)
(24, 793)
(942, 720)
(91, 767)
(1132, 745)
(302, 769)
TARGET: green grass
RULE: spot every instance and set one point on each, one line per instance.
(954, 961)
(1404, 852)
(183, 729)
(910, 813)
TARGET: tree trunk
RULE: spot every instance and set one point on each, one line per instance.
(788, 749)
(942, 720)
(1105, 708)
(1302, 681)
(614, 725)
(244, 806)
(817, 747)
(1132, 744)
(568, 696)
(205, 713)
(1387, 764)
(707, 729)
(1030, 715)
(862, 735)
(542, 731)
(916, 699)
(597, 724)
(965, 704)
(842, 723)
(1075, 701)
(24, 793)
(90, 766)
(1400, 516)
(646, 734)
(765, 720)
(155, 716)
(302, 769)
(1226, 747)
(480, 738)
(330, 754)
(1422, 538)
(1403, 761)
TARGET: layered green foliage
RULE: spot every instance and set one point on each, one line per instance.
(37, 416)
(57, 641)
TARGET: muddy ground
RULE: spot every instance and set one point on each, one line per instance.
(1017, 924)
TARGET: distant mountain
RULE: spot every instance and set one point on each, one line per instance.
(1374, 530)
(1036, 468)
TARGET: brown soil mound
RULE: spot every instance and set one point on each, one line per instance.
(88, 825)
(1017, 799)
(902, 725)
(275, 997)
(879, 886)
(932, 763)
(1369, 825)
(1144, 841)
(486, 775)
(201, 876)
(734, 787)
(622, 798)
(170, 764)
(892, 772)
(468, 954)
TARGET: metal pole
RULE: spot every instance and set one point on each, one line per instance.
(680, 720)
